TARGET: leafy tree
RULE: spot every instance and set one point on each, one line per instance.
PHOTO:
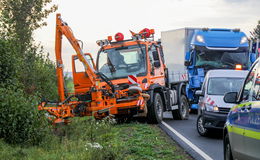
(21, 17)
(18, 20)
(256, 32)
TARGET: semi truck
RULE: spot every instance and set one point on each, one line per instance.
(191, 52)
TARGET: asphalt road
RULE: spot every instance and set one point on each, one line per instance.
(212, 145)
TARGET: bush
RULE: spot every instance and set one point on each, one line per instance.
(20, 121)
(22, 83)
(38, 75)
(8, 63)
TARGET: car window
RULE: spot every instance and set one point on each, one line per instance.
(152, 58)
(222, 85)
(79, 66)
(249, 85)
(256, 87)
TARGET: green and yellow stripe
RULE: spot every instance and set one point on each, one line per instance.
(244, 132)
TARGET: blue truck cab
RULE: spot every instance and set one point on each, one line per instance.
(214, 48)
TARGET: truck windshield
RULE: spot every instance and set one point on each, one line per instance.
(120, 62)
(211, 59)
(220, 86)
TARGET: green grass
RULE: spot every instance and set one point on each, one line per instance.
(119, 141)
(69, 84)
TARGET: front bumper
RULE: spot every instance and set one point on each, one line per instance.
(214, 120)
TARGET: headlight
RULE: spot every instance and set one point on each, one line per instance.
(243, 40)
(211, 108)
(200, 38)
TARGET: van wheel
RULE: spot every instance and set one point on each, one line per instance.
(155, 110)
(183, 111)
(227, 149)
(200, 127)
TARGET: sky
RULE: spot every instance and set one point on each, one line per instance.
(93, 20)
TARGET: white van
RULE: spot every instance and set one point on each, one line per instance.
(212, 112)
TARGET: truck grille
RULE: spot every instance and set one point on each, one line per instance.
(223, 110)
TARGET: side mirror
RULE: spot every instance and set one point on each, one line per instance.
(156, 64)
(199, 93)
(187, 63)
(245, 94)
(155, 55)
(230, 97)
(252, 57)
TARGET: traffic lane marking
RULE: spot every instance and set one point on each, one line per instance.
(189, 143)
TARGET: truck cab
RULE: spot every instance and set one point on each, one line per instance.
(135, 62)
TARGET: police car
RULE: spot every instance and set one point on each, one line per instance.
(213, 111)
(242, 128)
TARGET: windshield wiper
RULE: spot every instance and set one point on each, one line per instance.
(112, 67)
(140, 47)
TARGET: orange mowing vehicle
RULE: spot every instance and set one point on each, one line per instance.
(128, 79)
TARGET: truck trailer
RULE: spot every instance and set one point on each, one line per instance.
(191, 52)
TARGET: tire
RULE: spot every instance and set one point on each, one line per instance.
(200, 127)
(183, 111)
(227, 149)
(155, 110)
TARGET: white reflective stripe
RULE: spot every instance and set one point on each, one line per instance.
(138, 102)
(194, 147)
(131, 80)
(141, 102)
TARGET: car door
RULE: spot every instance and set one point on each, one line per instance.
(239, 117)
(252, 127)
(157, 69)
(81, 80)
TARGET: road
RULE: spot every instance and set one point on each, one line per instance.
(211, 146)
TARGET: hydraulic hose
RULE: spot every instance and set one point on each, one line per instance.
(107, 80)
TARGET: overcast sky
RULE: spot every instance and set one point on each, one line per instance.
(93, 20)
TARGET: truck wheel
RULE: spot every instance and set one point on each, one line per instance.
(183, 111)
(200, 127)
(155, 110)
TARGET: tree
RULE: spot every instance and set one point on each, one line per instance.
(256, 32)
(18, 20)
(21, 17)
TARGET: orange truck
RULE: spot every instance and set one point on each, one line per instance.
(128, 79)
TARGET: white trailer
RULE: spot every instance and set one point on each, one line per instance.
(175, 45)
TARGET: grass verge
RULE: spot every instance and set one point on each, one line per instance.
(86, 138)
